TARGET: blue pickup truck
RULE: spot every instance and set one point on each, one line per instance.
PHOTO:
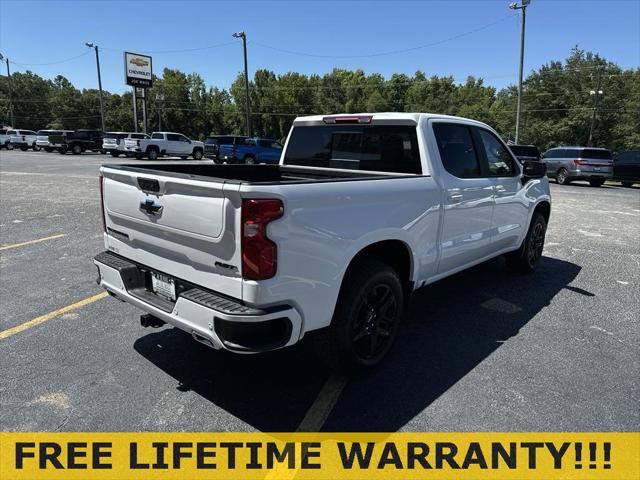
(252, 150)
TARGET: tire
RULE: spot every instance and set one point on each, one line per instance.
(627, 184)
(9, 146)
(76, 149)
(152, 154)
(250, 160)
(596, 183)
(562, 177)
(366, 319)
(197, 154)
(35, 147)
(63, 150)
(526, 258)
(115, 154)
(24, 148)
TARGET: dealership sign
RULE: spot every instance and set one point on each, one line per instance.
(137, 70)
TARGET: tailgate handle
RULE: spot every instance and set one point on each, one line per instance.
(149, 185)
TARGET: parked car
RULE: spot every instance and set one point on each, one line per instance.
(42, 138)
(626, 167)
(361, 211)
(567, 164)
(114, 142)
(169, 143)
(525, 153)
(23, 139)
(252, 150)
(78, 141)
(5, 139)
(212, 145)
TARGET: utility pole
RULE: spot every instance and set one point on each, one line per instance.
(159, 100)
(95, 47)
(13, 121)
(596, 94)
(523, 7)
(246, 79)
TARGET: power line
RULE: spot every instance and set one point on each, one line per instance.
(49, 63)
(181, 50)
(392, 52)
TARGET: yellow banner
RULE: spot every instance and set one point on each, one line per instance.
(149, 456)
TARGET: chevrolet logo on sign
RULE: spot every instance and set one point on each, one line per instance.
(139, 62)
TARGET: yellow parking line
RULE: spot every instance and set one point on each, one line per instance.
(30, 242)
(61, 311)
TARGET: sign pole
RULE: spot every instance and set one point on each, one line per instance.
(135, 110)
(144, 110)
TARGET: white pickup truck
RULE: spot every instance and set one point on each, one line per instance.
(165, 143)
(361, 211)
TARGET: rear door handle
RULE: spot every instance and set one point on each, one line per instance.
(455, 197)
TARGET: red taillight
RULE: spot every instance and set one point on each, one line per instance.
(104, 223)
(259, 254)
(348, 119)
(578, 162)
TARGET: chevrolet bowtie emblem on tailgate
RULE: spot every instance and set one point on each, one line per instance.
(150, 207)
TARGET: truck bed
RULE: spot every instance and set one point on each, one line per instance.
(254, 174)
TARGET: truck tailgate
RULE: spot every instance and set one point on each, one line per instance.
(178, 226)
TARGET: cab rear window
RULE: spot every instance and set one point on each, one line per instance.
(383, 148)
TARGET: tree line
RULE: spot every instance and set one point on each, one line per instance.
(558, 102)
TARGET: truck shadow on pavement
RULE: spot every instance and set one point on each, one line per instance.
(451, 327)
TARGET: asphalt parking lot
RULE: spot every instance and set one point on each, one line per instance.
(485, 350)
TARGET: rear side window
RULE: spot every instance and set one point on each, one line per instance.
(498, 157)
(384, 148)
(595, 153)
(157, 136)
(456, 150)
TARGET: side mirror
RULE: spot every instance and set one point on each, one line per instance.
(531, 170)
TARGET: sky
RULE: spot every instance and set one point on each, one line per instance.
(456, 37)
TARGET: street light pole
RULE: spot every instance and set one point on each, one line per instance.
(523, 7)
(13, 122)
(95, 47)
(246, 79)
(597, 93)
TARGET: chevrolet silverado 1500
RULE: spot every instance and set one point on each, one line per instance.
(361, 211)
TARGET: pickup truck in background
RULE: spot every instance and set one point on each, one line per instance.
(5, 141)
(42, 138)
(114, 142)
(168, 143)
(252, 150)
(361, 211)
(23, 139)
(212, 145)
(77, 141)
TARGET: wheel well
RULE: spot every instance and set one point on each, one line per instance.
(394, 253)
(545, 209)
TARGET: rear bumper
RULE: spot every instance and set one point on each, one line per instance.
(215, 320)
(586, 174)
